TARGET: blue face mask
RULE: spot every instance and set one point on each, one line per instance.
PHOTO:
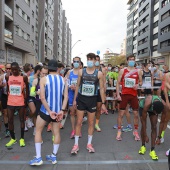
(62, 71)
(131, 63)
(76, 65)
(97, 63)
(90, 64)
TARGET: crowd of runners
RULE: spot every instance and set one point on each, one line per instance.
(43, 94)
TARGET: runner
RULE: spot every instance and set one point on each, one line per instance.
(153, 105)
(16, 100)
(72, 76)
(99, 100)
(52, 88)
(35, 92)
(5, 98)
(130, 78)
(157, 76)
(86, 94)
(147, 80)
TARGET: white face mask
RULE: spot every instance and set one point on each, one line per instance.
(150, 68)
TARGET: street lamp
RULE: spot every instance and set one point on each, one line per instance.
(39, 42)
(75, 44)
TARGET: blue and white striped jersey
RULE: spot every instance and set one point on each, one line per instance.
(54, 90)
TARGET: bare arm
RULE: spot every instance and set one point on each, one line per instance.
(102, 92)
(65, 96)
(140, 73)
(104, 78)
(26, 86)
(118, 82)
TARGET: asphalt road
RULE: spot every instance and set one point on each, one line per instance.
(110, 154)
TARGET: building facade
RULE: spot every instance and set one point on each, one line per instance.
(107, 56)
(149, 38)
(26, 24)
(123, 48)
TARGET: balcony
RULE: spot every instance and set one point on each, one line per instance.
(8, 36)
(8, 13)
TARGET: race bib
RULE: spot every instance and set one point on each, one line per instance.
(115, 82)
(15, 90)
(74, 82)
(147, 79)
(129, 82)
(88, 90)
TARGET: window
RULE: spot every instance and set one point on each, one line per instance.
(165, 15)
(156, 12)
(28, 2)
(144, 40)
(155, 24)
(165, 29)
(164, 3)
(143, 51)
(165, 44)
(155, 48)
(32, 28)
(144, 9)
(33, 14)
(155, 36)
(143, 20)
(155, 1)
(143, 30)
(140, 4)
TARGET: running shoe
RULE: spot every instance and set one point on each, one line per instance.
(7, 133)
(72, 134)
(136, 135)
(25, 129)
(36, 161)
(142, 150)
(119, 138)
(11, 142)
(49, 128)
(22, 142)
(127, 129)
(167, 152)
(29, 123)
(153, 155)
(90, 148)
(97, 128)
(75, 149)
(51, 158)
(162, 140)
(116, 126)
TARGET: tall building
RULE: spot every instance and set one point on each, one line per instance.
(18, 31)
(123, 48)
(107, 56)
(148, 30)
(69, 45)
(26, 24)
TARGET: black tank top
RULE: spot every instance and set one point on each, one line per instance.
(89, 83)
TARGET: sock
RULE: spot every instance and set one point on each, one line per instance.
(162, 134)
(143, 144)
(89, 139)
(22, 133)
(6, 126)
(152, 148)
(136, 127)
(76, 139)
(38, 150)
(12, 134)
(129, 125)
(55, 150)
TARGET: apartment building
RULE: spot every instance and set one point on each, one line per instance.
(27, 23)
(18, 31)
(123, 47)
(107, 56)
(149, 22)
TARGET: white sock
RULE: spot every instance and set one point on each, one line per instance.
(55, 149)
(76, 139)
(89, 139)
(38, 150)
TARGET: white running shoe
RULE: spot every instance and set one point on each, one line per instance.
(167, 152)
(162, 140)
(84, 119)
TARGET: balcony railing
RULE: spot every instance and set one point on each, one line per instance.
(8, 10)
(7, 34)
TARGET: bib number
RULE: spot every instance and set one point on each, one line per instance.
(88, 90)
(147, 79)
(15, 90)
(74, 82)
(129, 82)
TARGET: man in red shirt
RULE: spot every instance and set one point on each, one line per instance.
(130, 78)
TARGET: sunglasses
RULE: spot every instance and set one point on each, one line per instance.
(75, 61)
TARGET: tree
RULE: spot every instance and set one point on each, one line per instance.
(117, 60)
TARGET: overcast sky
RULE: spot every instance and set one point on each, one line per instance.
(99, 24)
